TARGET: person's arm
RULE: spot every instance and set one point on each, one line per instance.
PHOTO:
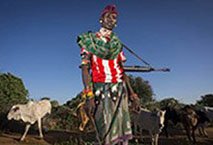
(132, 96)
(122, 60)
(85, 71)
(86, 78)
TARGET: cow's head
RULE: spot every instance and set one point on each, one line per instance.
(14, 113)
(161, 115)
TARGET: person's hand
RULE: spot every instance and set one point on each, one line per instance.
(135, 102)
(89, 101)
(87, 93)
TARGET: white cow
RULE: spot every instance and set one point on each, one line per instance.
(153, 122)
(30, 113)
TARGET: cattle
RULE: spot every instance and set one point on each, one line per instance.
(189, 119)
(153, 122)
(203, 121)
(187, 116)
(205, 117)
(30, 113)
(209, 112)
(171, 115)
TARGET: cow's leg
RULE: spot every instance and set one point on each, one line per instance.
(25, 132)
(141, 133)
(200, 130)
(152, 138)
(156, 136)
(39, 128)
(188, 132)
(135, 127)
(166, 128)
(204, 132)
(193, 134)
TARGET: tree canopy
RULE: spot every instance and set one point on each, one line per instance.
(142, 88)
(12, 91)
(206, 100)
(170, 102)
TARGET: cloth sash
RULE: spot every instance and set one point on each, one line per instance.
(105, 50)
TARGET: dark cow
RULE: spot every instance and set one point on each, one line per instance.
(189, 119)
(187, 116)
(205, 117)
(171, 115)
(209, 112)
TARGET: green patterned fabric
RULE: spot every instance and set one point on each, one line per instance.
(112, 110)
(95, 45)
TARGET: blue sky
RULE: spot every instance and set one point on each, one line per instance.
(38, 43)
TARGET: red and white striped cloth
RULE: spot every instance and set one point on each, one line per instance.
(105, 71)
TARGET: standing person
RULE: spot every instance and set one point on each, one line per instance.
(103, 76)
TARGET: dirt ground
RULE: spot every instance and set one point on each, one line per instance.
(59, 137)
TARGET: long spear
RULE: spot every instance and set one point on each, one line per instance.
(144, 69)
(132, 52)
(147, 68)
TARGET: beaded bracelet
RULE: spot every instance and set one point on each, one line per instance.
(87, 93)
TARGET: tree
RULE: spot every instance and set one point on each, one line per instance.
(170, 102)
(142, 88)
(55, 103)
(206, 100)
(12, 91)
(64, 116)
